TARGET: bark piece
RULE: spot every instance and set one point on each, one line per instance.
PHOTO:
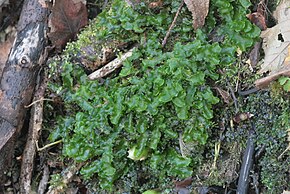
(17, 81)
(34, 131)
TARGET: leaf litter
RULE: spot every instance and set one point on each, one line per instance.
(276, 41)
(199, 11)
(66, 19)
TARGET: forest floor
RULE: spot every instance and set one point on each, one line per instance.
(247, 122)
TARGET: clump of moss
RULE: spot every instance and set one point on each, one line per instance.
(158, 104)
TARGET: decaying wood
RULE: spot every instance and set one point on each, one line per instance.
(44, 180)
(265, 81)
(110, 67)
(33, 136)
(66, 178)
(18, 78)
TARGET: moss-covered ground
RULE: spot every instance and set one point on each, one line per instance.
(164, 104)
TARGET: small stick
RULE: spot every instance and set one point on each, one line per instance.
(35, 125)
(234, 97)
(46, 146)
(67, 176)
(39, 100)
(110, 67)
(44, 180)
(172, 24)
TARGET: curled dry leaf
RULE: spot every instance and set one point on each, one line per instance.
(66, 19)
(276, 45)
(199, 11)
(258, 19)
(255, 54)
(183, 183)
(224, 94)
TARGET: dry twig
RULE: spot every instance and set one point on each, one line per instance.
(110, 67)
(35, 125)
(172, 24)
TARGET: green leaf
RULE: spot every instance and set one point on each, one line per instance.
(245, 3)
(282, 80)
(182, 112)
(198, 78)
(151, 192)
(155, 161)
(179, 101)
(165, 97)
(155, 139)
(286, 86)
(207, 112)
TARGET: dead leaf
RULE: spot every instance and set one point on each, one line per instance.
(224, 94)
(258, 19)
(199, 11)
(276, 44)
(183, 183)
(255, 54)
(286, 192)
(66, 19)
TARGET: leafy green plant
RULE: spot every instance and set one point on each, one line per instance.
(161, 95)
(285, 82)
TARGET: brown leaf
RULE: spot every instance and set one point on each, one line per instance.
(66, 19)
(276, 45)
(255, 54)
(199, 11)
(224, 94)
(183, 183)
(258, 19)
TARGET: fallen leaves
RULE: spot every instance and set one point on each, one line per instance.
(66, 19)
(277, 47)
(199, 11)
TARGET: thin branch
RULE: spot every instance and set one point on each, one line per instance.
(110, 67)
(46, 146)
(172, 24)
(39, 100)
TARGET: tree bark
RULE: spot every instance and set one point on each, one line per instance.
(18, 79)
